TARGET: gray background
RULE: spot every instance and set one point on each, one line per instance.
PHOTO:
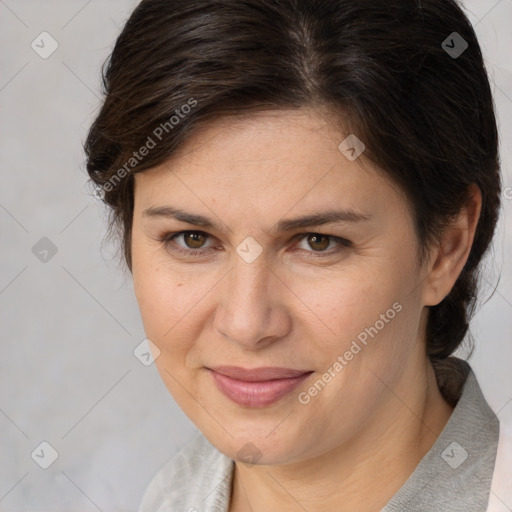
(69, 325)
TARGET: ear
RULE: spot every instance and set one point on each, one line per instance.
(448, 257)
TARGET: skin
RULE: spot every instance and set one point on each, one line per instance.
(384, 409)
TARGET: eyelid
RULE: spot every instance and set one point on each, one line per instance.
(168, 238)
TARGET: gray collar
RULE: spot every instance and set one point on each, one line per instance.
(456, 473)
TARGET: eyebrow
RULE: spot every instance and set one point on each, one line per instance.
(347, 215)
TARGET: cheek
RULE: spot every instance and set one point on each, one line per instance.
(343, 304)
(367, 314)
(167, 301)
(171, 301)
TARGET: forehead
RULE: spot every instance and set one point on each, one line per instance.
(281, 136)
(287, 159)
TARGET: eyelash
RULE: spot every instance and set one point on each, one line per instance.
(170, 237)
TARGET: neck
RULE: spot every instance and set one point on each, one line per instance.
(355, 475)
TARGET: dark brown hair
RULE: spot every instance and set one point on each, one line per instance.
(387, 68)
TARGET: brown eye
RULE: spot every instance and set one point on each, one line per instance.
(318, 242)
(187, 243)
(194, 239)
(317, 245)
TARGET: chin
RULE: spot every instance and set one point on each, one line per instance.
(258, 448)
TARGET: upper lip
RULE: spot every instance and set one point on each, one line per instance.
(258, 374)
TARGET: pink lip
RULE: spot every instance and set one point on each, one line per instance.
(256, 387)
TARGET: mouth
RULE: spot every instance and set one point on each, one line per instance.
(258, 387)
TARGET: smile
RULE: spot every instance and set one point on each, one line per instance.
(259, 387)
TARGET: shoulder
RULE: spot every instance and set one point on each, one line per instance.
(500, 499)
(197, 476)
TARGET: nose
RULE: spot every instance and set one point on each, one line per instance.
(252, 312)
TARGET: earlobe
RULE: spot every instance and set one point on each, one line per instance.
(448, 257)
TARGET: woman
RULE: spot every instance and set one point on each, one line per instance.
(304, 190)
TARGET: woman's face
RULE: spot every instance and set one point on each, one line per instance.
(253, 289)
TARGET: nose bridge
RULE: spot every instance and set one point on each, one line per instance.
(247, 313)
(248, 285)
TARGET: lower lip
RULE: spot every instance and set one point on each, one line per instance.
(256, 394)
